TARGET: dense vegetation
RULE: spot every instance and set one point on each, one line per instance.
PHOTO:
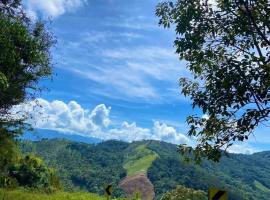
(183, 193)
(25, 59)
(91, 166)
(82, 166)
(225, 44)
(237, 173)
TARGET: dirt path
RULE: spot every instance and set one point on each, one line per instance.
(138, 183)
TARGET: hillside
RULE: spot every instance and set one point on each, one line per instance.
(91, 166)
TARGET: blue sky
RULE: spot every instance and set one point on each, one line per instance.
(116, 73)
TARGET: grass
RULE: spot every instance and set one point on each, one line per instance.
(139, 160)
(21, 194)
(261, 186)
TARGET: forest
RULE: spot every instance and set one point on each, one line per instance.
(85, 166)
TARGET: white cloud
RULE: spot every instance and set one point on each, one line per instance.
(241, 149)
(136, 22)
(119, 82)
(205, 116)
(52, 8)
(134, 73)
(105, 36)
(72, 118)
(140, 53)
(130, 132)
(100, 115)
(169, 134)
(159, 131)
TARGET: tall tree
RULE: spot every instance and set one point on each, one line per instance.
(226, 44)
(24, 59)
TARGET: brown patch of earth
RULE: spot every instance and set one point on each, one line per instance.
(138, 183)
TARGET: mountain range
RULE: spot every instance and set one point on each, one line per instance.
(39, 134)
(92, 166)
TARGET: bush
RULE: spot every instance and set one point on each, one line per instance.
(183, 193)
(32, 173)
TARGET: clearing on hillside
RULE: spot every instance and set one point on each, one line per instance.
(138, 183)
(139, 160)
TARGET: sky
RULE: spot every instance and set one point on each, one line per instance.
(115, 74)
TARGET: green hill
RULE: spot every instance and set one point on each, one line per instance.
(90, 167)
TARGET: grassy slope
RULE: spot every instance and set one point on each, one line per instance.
(25, 195)
(139, 160)
(261, 186)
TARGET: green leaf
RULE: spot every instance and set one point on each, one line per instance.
(3, 81)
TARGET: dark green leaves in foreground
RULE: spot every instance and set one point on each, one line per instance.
(24, 56)
(226, 46)
(183, 193)
(24, 60)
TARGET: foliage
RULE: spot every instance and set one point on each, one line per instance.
(226, 44)
(28, 171)
(9, 154)
(183, 193)
(24, 60)
(82, 166)
(235, 173)
(31, 172)
(243, 176)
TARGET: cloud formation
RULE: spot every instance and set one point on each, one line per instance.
(73, 118)
(242, 149)
(130, 132)
(133, 73)
(169, 134)
(70, 117)
(52, 8)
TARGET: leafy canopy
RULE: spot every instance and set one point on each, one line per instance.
(226, 44)
(183, 193)
(24, 59)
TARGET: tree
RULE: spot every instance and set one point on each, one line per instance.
(31, 172)
(24, 60)
(226, 44)
(9, 154)
(183, 193)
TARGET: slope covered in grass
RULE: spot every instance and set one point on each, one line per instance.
(261, 186)
(139, 160)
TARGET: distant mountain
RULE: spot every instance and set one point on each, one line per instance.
(92, 166)
(39, 134)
